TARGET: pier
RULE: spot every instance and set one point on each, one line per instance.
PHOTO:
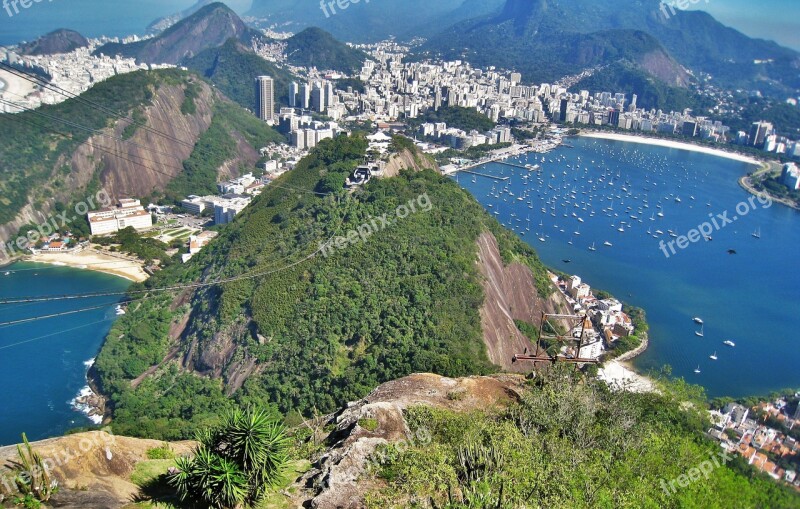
(517, 165)
(502, 179)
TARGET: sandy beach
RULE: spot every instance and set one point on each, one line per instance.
(15, 85)
(619, 375)
(673, 144)
(90, 259)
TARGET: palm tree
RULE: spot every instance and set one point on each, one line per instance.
(236, 462)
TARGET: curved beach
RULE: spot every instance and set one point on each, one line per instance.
(94, 260)
(672, 144)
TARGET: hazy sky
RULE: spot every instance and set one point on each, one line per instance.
(777, 20)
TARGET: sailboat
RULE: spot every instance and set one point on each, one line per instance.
(592, 248)
(697, 369)
(757, 234)
(699, 332)
(713, 356)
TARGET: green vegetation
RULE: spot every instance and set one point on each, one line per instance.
(368, 424)
(233, 69)
(215, 147)
(322, 331)
(132, 243)
(570, 443)
(474, 153)
(773, 186)
(466, 119)
(314, 47)
(236, 463)
(652, 93)
(31, 148)
(162, 452)
(640, 328)
(31, 476)
(356, 84)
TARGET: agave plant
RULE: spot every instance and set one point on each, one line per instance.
(32, 477)
(235, 463)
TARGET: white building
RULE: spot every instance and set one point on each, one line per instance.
(791, 176)
(127, 213)
(227, 208)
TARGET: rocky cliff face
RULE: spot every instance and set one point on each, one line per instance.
(333, 480)
(510, 295)
(142, 163)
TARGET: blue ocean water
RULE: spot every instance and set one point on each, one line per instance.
(751, 298)
(44, 362)
(92, 18)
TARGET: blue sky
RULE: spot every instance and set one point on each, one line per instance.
(777, 20)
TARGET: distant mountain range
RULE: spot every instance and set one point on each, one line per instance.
(374, 20)
(57, 41)
(232, 67)
(314, 47)
(546, 39)
(209, 27)
(161, 24)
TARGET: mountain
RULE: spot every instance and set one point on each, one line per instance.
(314, 47)
(161, 24)
(57, 41)
(233, 68)
(46, 164)
(537, 27)
(371, 21)
(313, 325)
(209, 27)
(564, 37)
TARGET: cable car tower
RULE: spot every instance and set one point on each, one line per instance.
(548, 330)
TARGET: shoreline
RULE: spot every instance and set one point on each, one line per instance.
(96, 261)
(746, 183)
(679, 145)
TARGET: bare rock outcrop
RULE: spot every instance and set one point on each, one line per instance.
(510, 295)
(336, 480)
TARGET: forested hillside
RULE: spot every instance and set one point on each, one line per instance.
(309, 333)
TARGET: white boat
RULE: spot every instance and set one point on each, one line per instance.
(729, 343)
(697, 369)
(607, 243)
(699, 332)
(592, 248)
(757, 234)
(7, 273)
(697, 320)
(119, 311)
(713, 356)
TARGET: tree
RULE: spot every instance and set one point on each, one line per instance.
(236, 462)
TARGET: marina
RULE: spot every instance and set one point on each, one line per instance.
(604, 207)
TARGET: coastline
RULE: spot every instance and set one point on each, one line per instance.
(90, 259)
(746, 183)
(673, 144)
